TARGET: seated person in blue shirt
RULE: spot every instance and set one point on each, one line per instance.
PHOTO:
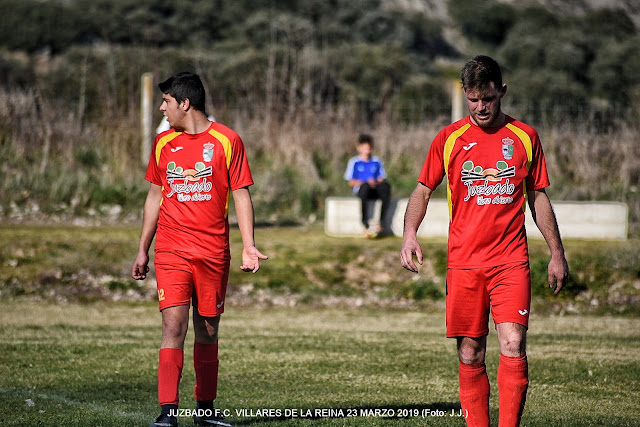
(365, 174)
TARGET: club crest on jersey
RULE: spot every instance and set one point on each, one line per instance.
(507, 148)
(207, 152)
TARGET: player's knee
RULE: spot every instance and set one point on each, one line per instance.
(471, 353)
(512, 339)
(206, 335)
(471, 358)
(513, 346)
(174, 330)
(207, 339)
(206, 330)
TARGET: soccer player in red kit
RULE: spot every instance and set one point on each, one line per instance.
(194, 168)
(494, 166)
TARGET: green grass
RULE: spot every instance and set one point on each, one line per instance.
(95, 364)
(80, 339)
(306, 268)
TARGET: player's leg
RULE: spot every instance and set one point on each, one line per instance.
(211, 276)
(474, 382)
(467, 320)
(174, 294)
(511, 301)
(512, 339)
(384, 194)
(205, 359)
(175, 321)
(364, 193)
(513, 373)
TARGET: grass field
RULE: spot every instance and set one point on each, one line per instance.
(306, 268)
(326, 325)
(95, 365)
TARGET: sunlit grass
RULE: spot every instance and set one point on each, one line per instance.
(305, 268)
(95, 364)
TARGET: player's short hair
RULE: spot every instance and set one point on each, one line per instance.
(365, 139)
(478, 73)
(183, 86)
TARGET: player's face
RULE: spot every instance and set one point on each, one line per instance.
(364, 150)
(172, 110)
(484, 106)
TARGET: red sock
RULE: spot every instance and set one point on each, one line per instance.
(169, 374)
(474, 394)
(205, 362)
(513, 381)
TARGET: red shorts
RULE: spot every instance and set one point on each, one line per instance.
(505, 290)
(179, 273)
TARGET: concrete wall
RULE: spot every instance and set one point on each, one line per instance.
(576, 220)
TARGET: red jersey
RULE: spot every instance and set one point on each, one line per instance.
(197, 174)
(489, 172)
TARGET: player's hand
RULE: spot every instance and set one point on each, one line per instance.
(140, 266)
(558, 273)
(251, 257)
(410, 247)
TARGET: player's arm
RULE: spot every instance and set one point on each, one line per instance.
(349, 174)
(244, 210)
(416, 210)
(149, 225)
(545, 219)
(382, 174)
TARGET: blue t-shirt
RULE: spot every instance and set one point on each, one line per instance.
(363, 170)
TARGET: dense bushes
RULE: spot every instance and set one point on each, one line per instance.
(364, 53)
(299, 79)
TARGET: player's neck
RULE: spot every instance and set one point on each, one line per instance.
(196, 123)
(499, 121)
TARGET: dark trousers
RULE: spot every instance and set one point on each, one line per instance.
(381, 191)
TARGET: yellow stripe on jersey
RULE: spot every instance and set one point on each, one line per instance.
(448, 148)
(226, 144)
(526, 141)
(528, 147)
(164, 141)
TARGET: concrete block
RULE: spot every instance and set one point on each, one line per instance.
(586, 220)
(576, 220)
(434, 224)
(343, 216)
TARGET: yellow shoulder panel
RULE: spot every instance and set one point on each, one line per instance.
(164, 141)
(526, 141)
(226, 144)
(528, 147)
(448, 148)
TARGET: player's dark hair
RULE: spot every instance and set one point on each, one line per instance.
(183, 86)
(480, 72)
(365, 138)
